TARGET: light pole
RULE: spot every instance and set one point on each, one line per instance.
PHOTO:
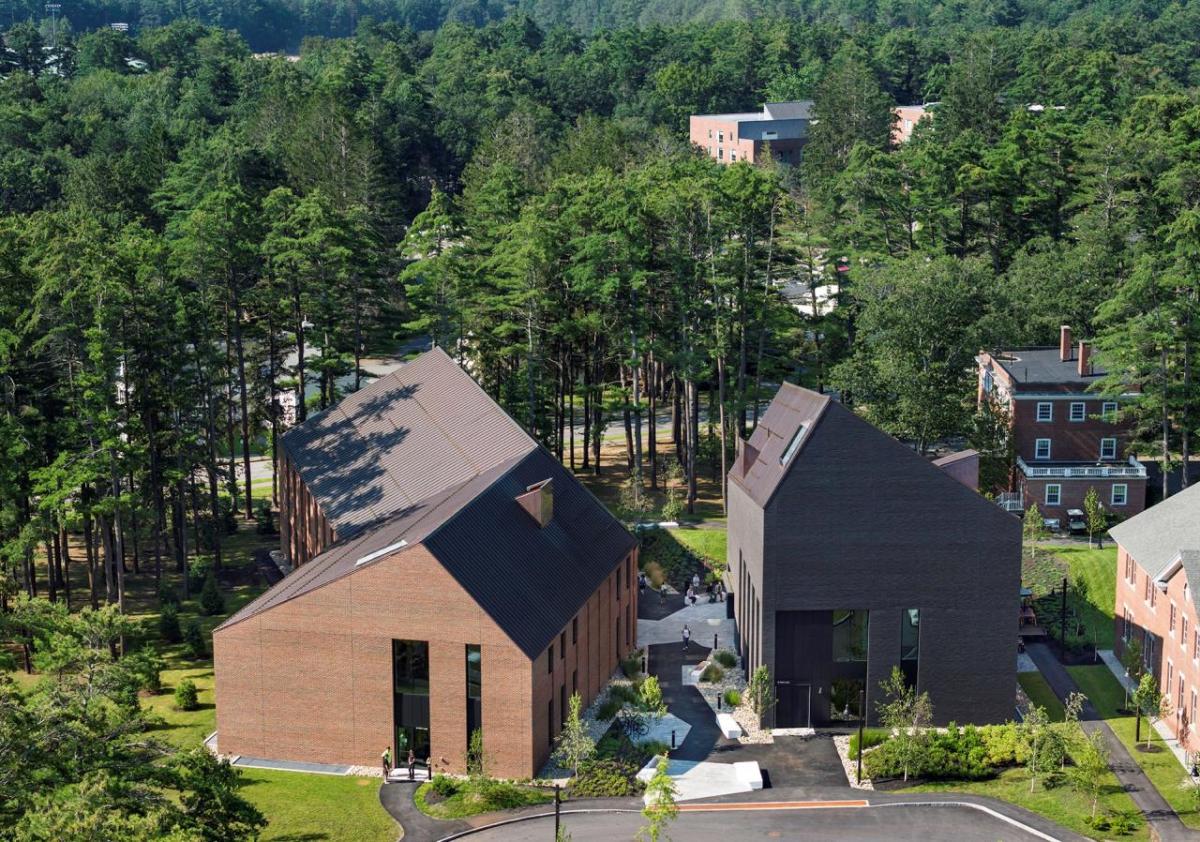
(862, 721)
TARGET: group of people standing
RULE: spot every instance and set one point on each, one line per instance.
(714, 589)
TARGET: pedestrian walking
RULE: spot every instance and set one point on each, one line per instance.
(696, 581)
(662, 594)
(641, 583)
(387, 761)
(687, 637)
(412, 765)
(720, 591)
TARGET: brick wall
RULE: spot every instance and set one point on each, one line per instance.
(311, 679)
(1175, 651)
(303, 529)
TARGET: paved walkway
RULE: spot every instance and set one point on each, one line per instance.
(704, 619)
(1163, 821)
(666, 662)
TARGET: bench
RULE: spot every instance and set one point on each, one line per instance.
(747, 772)
(729, 727)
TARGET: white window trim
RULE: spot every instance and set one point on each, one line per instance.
(1037, 449)
(1082, 407)
(1049, 407)
(1108, 409)
(1124, 494)
(1104, 443)
(1057, 494)
(1173, 614)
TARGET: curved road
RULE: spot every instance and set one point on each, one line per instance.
(927, 824)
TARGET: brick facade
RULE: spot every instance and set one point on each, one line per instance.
(303, 530)
(311, 679)
(1171, 650)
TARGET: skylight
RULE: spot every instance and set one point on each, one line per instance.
(793, 445)
(390, 548)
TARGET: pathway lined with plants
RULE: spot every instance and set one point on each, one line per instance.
(1164, 821)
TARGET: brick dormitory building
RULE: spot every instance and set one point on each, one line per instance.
(451, 576)
(1158, 602)
(1067, 437)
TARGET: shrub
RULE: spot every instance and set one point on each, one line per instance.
(651, 695)
(145, 666)
(606, 779)
(265, 518)
(186, 697)
(444, 785)
(732, 698)
(168, 624)
(871, 737)
(653, 748)
(725, 658)
(676, 560)
(632, 666)
(957, 755)
(609, 708)
(167, 595)
(712, 673)
(193, 636)
(655, 574)
(626, 693)
(1004, 745)
(211, 600)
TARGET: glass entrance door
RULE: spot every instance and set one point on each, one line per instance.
(415, 738)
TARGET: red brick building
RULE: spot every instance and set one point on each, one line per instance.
(1158, 581)
(780, 126)
(1067, 438)
(452, 576)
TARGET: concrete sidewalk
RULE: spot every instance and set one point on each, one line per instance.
(1164, 824)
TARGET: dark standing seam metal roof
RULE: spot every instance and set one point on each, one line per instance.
(791, 407)
(530, 580)
(421, 429)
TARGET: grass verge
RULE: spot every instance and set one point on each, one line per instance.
(1040, 694)
(471, 798)
(709, 543)
(1160, 764)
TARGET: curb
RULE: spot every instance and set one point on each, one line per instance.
(781, 806)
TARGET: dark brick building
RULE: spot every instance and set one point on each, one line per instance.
(850, 554)
(1067, 437)
(453, 576)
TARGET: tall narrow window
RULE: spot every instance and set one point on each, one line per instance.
(1045, 411)
(474, 690)
(1078, 411)
(1053, 494)
(1108, 411)
(1041, 449)
(410, 698)
(550, 658)
(1108, 448)
(574, 631)
(1120, 494)
(562, 645)
(910, 644)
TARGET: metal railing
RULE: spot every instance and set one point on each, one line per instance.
(1132, 470)
(1011, 501)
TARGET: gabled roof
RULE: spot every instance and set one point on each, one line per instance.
(795, 410)
(408, 436)
(531, 580)
(790, 409)
(1156, 536)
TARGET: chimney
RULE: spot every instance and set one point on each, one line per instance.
(538, 502)
(1064, 343)
(1085, 358)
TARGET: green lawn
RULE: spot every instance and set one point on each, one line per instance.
(1160, 765)
(319, 807)
(709, 543)
(1040, 694)
(1061, 804)
(1095, 572)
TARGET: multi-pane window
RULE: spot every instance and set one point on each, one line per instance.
(1128, 630)
(1108, 448)
(1120, 494)
(1179, 695)
(1045, 411)
(1053, 494)
(1109, 411)
(1183, 629)
(1041, 449)
(1147, 594)
(1078, 410)
(1171, 622)
(1192, 718)
(1196, 645)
